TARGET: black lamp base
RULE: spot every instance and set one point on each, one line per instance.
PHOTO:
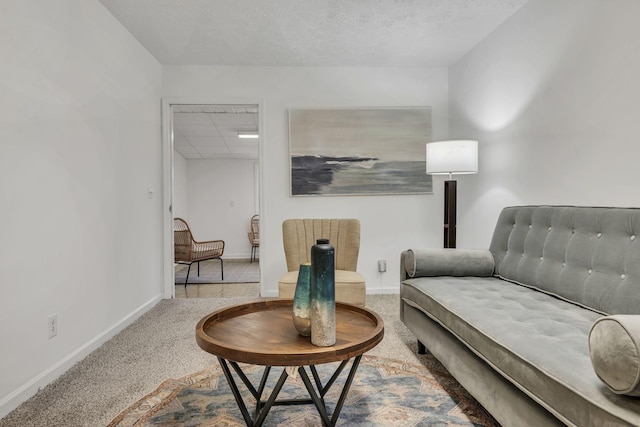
(450, 214)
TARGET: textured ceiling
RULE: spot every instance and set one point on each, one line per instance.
(342, 33)
(376, 33)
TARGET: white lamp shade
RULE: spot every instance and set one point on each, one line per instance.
(452, 157)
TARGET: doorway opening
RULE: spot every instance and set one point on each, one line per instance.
(212, 174)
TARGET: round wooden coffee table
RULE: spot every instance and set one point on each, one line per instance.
(262, 333)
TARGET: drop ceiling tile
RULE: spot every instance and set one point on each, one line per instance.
(194, 130)
(191, 119)
(232, 131)
(206, 140)
(212, 149)
(234, 141)
(198, 130)
(234, 119)
(186, 149)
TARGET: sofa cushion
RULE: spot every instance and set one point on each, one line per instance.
(582, 254)
(615, 353)
(537, 341)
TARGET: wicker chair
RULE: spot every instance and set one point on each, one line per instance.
(187, 251)
(299, 235)
(254, 236)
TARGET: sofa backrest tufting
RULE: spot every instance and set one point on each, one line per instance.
(587, 255)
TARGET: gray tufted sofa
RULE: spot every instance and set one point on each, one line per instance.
(513, 323)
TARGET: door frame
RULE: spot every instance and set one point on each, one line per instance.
(168, 273)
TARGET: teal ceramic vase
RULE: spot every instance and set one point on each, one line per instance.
(323, 294)
(302, 301)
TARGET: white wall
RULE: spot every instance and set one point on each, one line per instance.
(221, 202)
(552, 96)
(389, 223)
(180, 194)
(79, 147)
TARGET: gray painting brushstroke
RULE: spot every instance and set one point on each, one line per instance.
(359, 151)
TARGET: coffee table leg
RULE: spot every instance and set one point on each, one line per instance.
(334, 377)
(235, 391)
(272, 399)
(318, 399)
(263, 383)
(257, 394)
(345, 389)
(260, 416)
(320, 405)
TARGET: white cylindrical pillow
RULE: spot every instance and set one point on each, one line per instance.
(615, 352)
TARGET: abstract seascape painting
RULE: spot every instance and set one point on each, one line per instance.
(359, 151)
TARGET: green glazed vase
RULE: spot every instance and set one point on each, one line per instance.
(323, 294)
(302, 301)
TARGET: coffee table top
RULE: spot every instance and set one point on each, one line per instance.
(262, 333)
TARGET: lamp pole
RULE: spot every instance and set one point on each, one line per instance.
(450, 197)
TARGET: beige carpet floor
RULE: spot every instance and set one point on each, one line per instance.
(158, 346)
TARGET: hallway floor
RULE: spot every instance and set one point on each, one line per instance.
(218, 290)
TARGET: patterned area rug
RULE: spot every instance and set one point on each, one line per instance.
(385, 392)
(235, 271)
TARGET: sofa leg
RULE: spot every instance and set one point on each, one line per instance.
(421, 348)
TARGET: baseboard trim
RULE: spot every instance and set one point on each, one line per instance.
(30, 388)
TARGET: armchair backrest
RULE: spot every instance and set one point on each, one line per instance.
(182, 240)
(299, 235)
(255, 228)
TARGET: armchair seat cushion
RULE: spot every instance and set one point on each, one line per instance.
(350, 286)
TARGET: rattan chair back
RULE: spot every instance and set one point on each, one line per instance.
(254, 235)
(187, 250)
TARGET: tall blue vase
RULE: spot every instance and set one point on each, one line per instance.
(302, 301)
(323, 294)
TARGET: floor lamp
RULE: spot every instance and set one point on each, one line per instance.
(449, 158)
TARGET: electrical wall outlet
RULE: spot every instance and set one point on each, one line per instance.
(382, 265)
(53, 325)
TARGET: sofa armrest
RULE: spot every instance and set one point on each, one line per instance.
(403, 270)
(447, 262)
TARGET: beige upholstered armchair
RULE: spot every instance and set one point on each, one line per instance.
(299, 235)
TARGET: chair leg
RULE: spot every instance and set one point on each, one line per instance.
(187, 279)
(198, 268)
(221, 268)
